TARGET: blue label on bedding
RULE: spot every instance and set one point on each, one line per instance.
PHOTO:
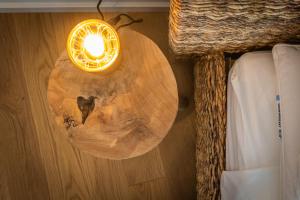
(278, 116)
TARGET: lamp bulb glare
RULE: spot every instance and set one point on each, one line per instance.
(94, 44)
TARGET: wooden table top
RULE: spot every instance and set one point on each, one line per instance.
(134, 107)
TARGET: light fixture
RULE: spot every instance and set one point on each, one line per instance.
(93, 45)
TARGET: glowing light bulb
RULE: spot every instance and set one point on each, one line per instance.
(94, 44)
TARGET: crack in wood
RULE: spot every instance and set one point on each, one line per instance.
(86, 106)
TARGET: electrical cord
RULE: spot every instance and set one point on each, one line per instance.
(115, 20)
(129, 23)
(99, 11)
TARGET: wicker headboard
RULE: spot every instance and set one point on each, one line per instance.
(209, 28)
(200, 26)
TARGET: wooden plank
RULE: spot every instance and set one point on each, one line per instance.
(180, 167)
(4, 188)
(144, 168)
(19, 150)
(62, 164)
(156, 189)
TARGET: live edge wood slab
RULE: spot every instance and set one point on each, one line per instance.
(121, 114)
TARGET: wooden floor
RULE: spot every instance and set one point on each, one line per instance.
(36, 160)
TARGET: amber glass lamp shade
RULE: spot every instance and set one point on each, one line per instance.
(93, 45)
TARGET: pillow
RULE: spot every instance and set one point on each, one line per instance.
(252, 140)
(287, 67)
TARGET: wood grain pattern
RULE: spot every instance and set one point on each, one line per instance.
(20, 158)
(133, 107)
(37, 162)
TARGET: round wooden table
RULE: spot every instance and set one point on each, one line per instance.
(121, 114)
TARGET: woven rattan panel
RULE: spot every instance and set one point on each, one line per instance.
(200, 26)
(210, 105)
